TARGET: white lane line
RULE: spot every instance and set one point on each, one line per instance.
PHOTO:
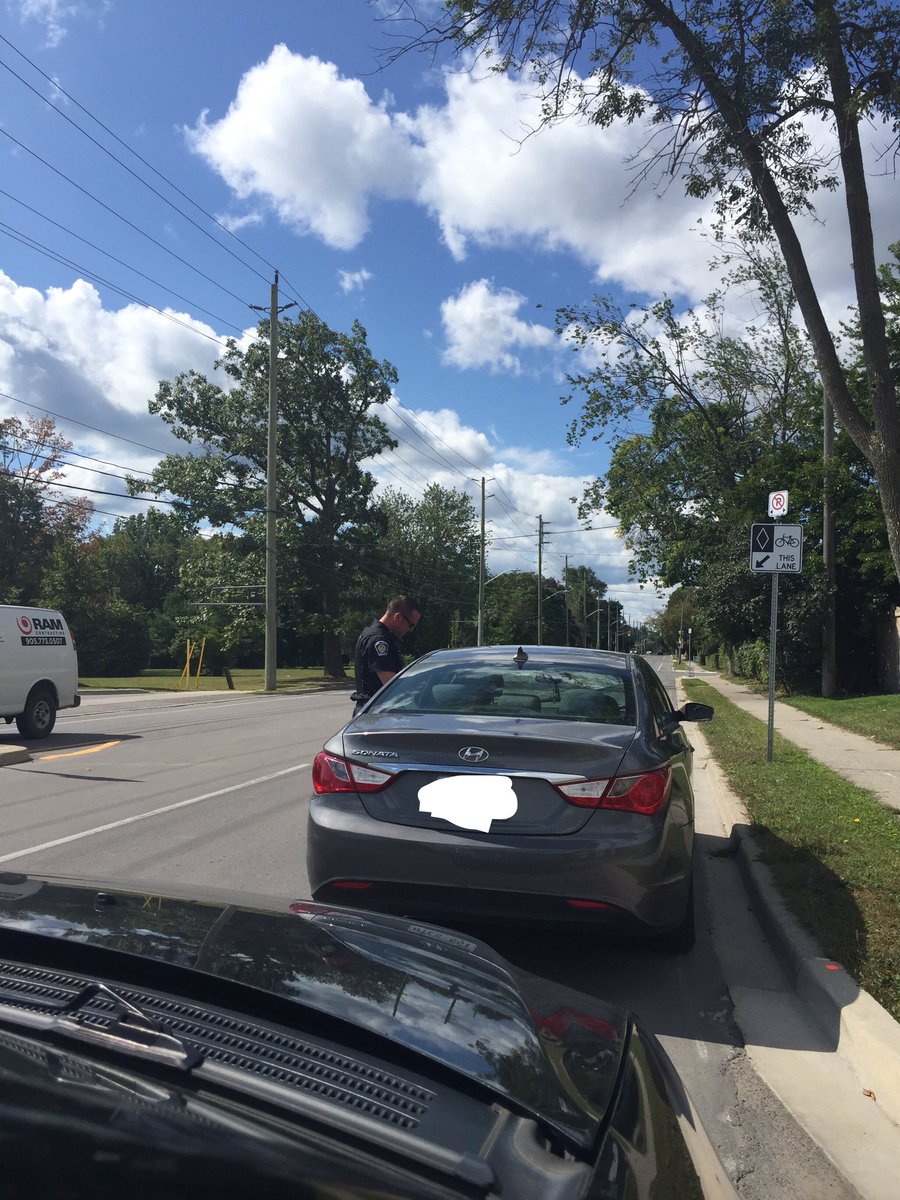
(75, 837)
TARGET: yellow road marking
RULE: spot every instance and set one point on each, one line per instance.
(75, 753)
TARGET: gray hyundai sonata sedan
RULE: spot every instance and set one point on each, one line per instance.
(542, 784)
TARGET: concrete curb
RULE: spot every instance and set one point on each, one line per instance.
(868, 1036)
(9, 755)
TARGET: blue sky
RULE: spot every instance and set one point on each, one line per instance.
(401, 195)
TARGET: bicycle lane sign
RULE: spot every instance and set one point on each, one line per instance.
(776, 548)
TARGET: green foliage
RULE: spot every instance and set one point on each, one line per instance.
(750, 660)
(34, 519)
(730, 421)
(328, 386)
(727, 416)
(734, 92)
(113, 639)
(113, 636)
(142, 554)
(511, 607)
(427, 548)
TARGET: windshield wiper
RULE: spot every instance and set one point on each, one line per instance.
(126, 1029)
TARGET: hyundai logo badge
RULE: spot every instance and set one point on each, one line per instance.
(473, 754)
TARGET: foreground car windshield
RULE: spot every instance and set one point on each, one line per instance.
(551, 690)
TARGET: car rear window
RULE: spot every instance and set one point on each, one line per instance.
(550, 691)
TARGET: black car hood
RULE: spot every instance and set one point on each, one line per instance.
(550, 1051)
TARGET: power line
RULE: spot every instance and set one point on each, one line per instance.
(33, 244)
(161, 245)
(131, 150)
(77, 454)
(443, 459)
(120, 261)
(94, 429)
(74, 487)
(159, 174)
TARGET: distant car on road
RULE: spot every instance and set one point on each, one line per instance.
(538, 784)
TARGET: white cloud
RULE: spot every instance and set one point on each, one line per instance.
(64, 352)
(234, 223)
(483, 328)
(55, 15)
(310, 143)
(354, 281)
(318, 149)
(96, 370)
(520, 483)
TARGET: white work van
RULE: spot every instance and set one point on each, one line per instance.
(38, 668)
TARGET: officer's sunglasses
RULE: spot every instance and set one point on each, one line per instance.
(411, 624)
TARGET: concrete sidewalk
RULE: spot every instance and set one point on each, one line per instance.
(869, 764)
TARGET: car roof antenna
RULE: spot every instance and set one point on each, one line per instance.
(520, 658)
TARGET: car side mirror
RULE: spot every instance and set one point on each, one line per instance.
(693, 711)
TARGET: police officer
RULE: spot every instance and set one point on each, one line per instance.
(377, 657)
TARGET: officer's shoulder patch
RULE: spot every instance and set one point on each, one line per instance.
(381, 648)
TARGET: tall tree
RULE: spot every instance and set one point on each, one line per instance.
(34, 515)
(428, 548)
(732, 87)
(329, 386)
(727, 416)
(587, 608)
(141, 556)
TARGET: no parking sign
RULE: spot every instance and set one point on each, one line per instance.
(778, 504)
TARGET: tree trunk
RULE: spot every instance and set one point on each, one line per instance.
(332, 656)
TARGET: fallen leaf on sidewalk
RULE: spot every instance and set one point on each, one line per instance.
(871, 1095)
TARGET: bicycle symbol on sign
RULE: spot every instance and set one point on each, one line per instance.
(787, 539)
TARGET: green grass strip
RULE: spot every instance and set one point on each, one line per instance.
(875, 717)
(833, 849)
(244, 679)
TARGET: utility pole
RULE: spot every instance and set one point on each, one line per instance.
(584, 606)
(829, 638)
(566, 595)
(271, 652)
(607, 622)
(598, 620)
(540, 597)
(270, 676)
(481, 574)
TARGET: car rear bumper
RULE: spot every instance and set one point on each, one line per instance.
(620, 871)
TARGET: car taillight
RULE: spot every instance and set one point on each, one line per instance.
(332, 774)
(645, 793)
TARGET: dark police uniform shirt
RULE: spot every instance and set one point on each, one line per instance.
(376, 650)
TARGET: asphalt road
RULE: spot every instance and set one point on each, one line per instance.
(211, 791)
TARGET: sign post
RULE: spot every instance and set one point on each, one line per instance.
(775, 550)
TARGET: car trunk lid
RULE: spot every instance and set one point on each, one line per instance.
(485, 774)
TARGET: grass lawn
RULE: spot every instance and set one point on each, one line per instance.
(245, 680)
(876, 717)
(833, 849)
